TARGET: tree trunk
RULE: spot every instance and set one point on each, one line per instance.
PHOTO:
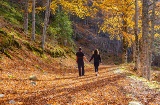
(26, 17)
(33, 19)
(124, 52)
(136, 57)
(152, 36)
(145, 32)
(125, 43)
(46, 20)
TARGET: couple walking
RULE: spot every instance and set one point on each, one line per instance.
(80, 61)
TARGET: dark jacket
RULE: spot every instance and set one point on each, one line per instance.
(97, 58)
(80, 56)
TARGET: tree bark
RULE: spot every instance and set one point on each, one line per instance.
(26, 17)
(145, 32)
(46, 20)
(125, 43)
(152, 36)
(33, 19)
(136, 57)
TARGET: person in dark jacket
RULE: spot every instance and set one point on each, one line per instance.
(97, 60)
(80, 61)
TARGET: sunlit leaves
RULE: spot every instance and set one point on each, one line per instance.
(118, 14)
(53, 7)
(76, 7)
(157, 35)
(129, 38)
(157, 27)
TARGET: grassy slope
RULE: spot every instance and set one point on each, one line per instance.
(11, 34)
(18, 53)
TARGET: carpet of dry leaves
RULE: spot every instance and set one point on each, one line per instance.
(59, 84)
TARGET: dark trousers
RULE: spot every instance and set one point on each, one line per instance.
(81, 68)
(96, 64)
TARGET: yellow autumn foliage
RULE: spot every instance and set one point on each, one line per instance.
(129, 38)
(157, 35)
(75, 7)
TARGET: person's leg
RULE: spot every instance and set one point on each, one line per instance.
(83, 68)
(79, 69)
(96, 64)
(96, 68)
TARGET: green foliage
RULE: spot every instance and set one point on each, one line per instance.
(11, 12)
(7, 40)
(7, 54)
(33, 48)
(70, 51)
(38, 24)
(61, 28)
(56, 52)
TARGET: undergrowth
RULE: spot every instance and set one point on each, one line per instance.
(11, 34)
(11, 13)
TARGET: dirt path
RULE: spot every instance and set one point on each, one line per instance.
(114, 86)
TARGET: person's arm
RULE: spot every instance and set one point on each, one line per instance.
(100, 60)
(84, 57)
(76, 59)
(91, 58)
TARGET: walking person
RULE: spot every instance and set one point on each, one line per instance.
(97, 60)
(80, 61)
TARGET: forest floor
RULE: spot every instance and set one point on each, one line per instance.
(58, 83)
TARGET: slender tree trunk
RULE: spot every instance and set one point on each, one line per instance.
(136, 38)
(124, 52)
(46, 20)
(152, 36)
(33, 19)
(125, 43)
(26, 17)
(145, 32)
(134, 52)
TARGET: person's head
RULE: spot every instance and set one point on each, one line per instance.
(80, 49)
(96, 52)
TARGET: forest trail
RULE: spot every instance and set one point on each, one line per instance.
(113, 86)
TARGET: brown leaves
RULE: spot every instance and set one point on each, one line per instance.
(60, 84)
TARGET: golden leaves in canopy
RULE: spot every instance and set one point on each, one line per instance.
(129, 38)
(53, 6)
(118, 14)
(75, 7)
(38, 9)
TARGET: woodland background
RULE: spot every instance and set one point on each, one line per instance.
(45, 35)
